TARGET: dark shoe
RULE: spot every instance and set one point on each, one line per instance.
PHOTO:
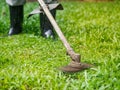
(16, 19)
(45, 25)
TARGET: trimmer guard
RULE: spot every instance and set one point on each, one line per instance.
(39, 10)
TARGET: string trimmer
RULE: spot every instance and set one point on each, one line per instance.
(75, 65)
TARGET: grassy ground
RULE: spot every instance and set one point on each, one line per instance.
(29, 61)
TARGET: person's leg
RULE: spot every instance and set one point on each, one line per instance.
(16, 19)
(45, 25)
(16, 15)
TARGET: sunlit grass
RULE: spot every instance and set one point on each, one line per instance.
(29, 61)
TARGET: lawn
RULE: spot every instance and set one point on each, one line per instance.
(30, 62)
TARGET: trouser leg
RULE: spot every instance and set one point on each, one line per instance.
(15, 2)
(16, 15)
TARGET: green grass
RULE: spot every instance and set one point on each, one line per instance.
(29, 61)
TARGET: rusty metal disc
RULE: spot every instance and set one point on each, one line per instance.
(75, 67)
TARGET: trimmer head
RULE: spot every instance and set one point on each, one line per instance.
(75, 67)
